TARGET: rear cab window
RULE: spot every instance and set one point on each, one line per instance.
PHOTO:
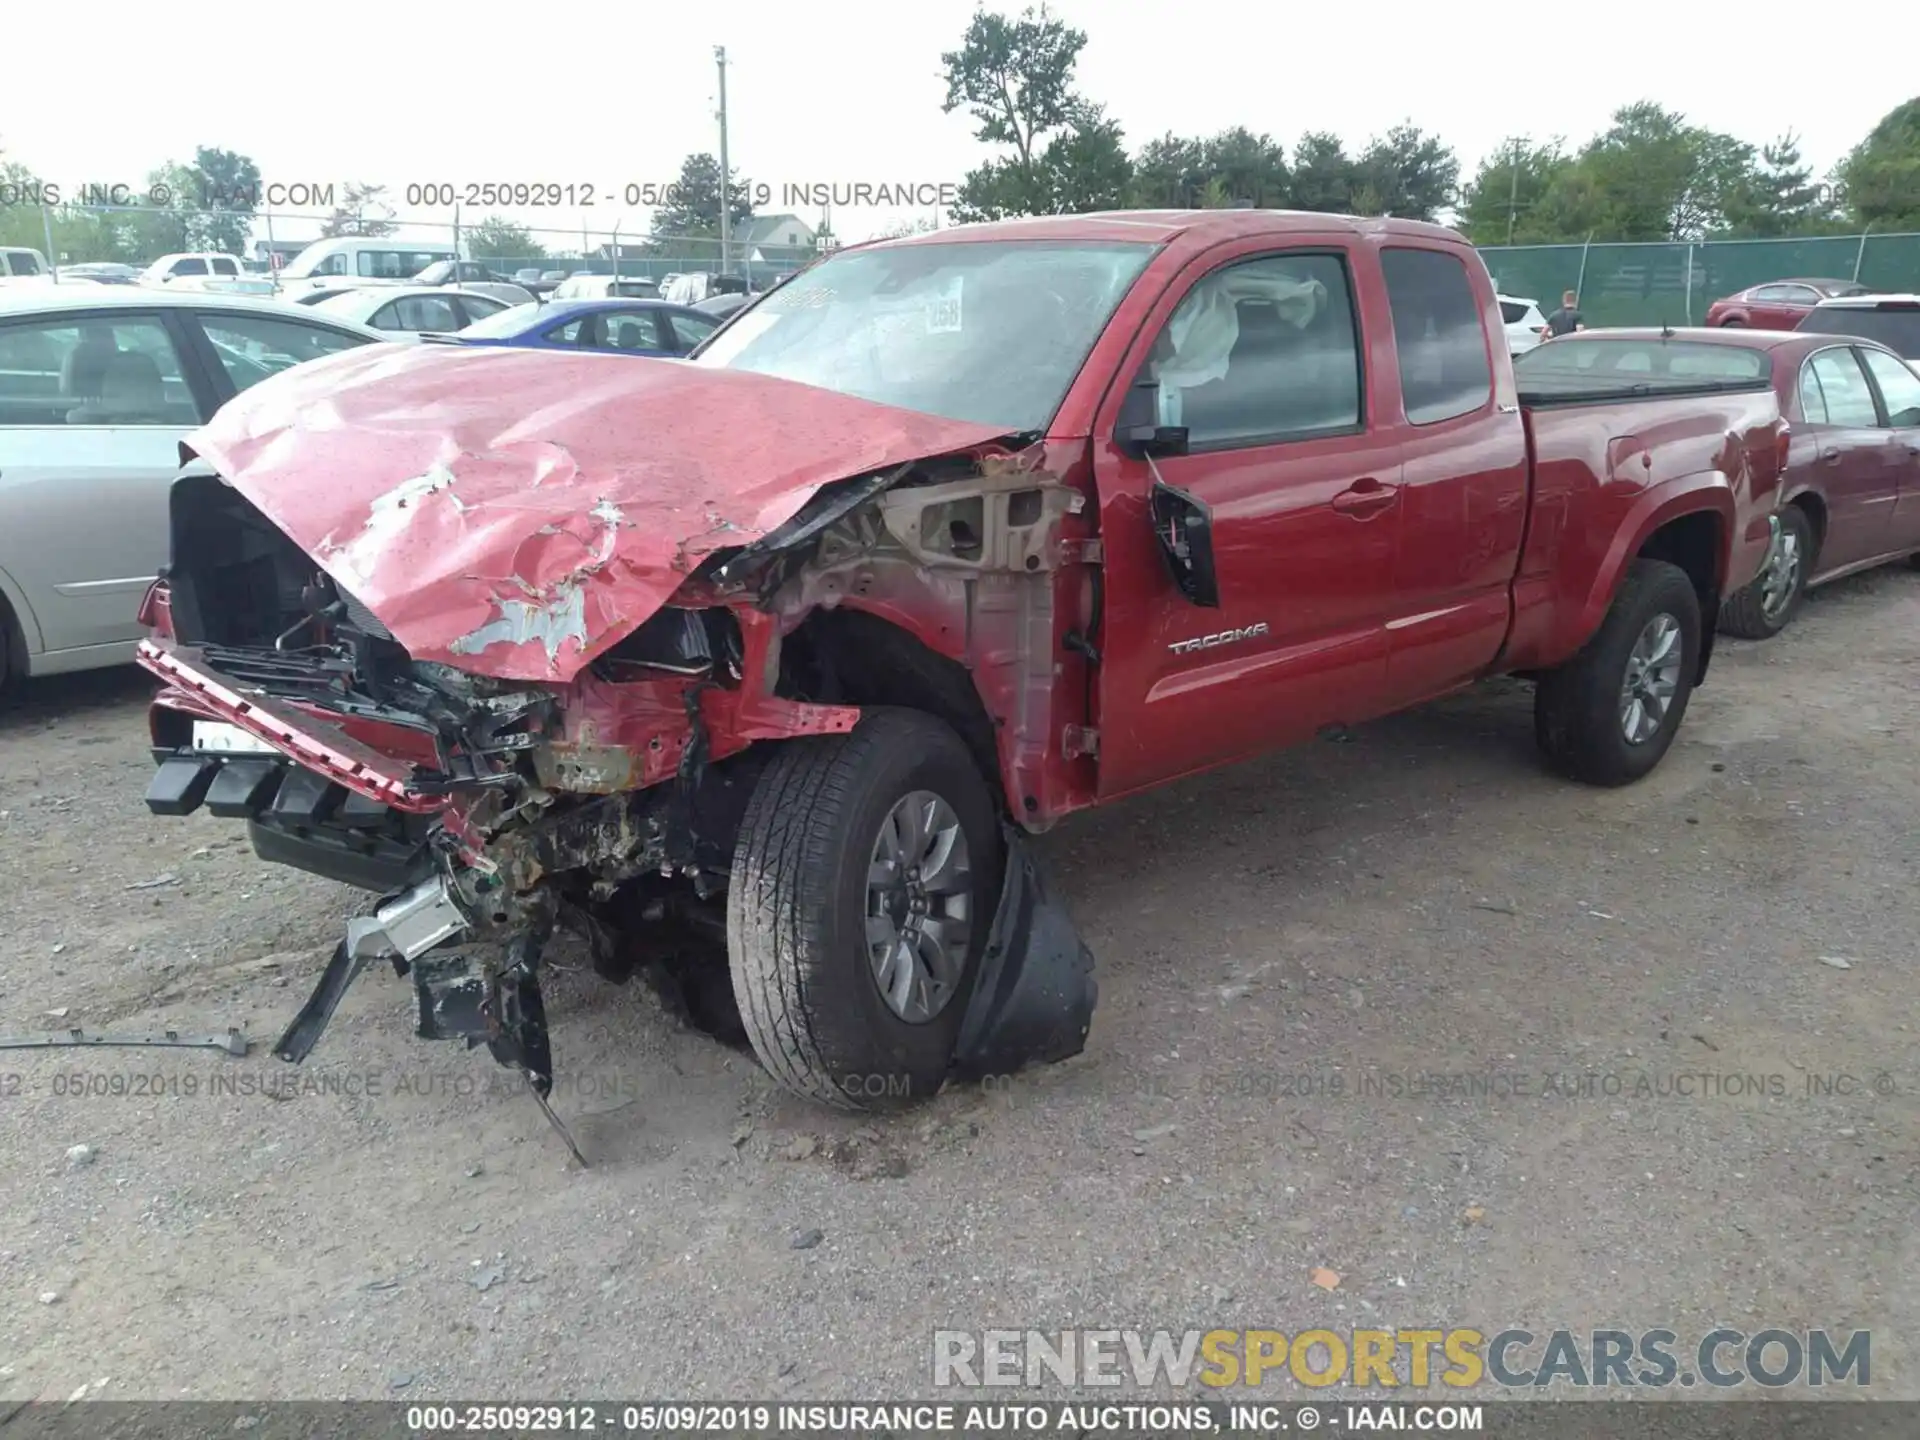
(1438, 334)
(1598, 366)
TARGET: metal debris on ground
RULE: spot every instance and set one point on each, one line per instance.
(234, 1042)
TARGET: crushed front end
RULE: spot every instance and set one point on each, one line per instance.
(490, 812)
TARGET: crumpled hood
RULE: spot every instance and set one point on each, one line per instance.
(515, 512)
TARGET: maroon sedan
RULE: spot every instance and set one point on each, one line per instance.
(1850, 491)
(1779, 304)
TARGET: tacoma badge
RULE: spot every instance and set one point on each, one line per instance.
(1221, 637)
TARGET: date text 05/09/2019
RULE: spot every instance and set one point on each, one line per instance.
(918, 1418)
(651, 194)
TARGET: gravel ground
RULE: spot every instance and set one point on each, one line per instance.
(1280, 945)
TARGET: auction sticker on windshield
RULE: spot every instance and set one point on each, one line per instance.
(943, 310)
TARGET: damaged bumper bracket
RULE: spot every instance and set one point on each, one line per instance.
(501, 1009)
(401, 928)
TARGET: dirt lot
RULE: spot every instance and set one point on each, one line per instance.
(1281, 947)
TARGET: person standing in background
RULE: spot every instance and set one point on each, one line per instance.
(1566, 319)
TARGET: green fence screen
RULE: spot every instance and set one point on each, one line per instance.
(1673, 284)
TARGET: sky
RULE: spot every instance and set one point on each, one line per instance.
(843, 92)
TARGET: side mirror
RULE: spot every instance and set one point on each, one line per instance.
(1139, 432)
(1184, 528)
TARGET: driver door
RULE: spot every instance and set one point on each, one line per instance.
(1257, 354)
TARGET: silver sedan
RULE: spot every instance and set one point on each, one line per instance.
(98, 386)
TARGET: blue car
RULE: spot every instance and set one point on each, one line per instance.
(622, 327)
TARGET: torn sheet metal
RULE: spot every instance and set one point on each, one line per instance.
(516, 512)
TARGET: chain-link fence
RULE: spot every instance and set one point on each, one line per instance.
(1673, 284)
(1618, 284)
(139, 234)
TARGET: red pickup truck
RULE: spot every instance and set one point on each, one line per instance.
(755, 669)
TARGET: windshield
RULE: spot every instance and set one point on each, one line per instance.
(1896, 328)
(988, 331)
(505, 323)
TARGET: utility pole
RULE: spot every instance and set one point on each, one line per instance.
(726, 174)
(1513, 194)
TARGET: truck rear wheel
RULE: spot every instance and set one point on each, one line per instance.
(1607, 716)
(1763, 609)
(864, 882)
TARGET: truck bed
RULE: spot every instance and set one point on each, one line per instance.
(1602, 460)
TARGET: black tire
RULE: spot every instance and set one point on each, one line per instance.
(797, 910)
(1577, 707)
(1745, 615)
(1733, 324)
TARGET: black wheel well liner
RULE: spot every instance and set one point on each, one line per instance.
(850, 656)
(1695, 542)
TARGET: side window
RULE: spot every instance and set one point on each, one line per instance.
(252, 347)
(692, 329)
(1769, 294)
(224, 266)
(569, 333)
(478, 307)
(92, 372)
(1813, 404)
(1849, 401)
(191, 266)
(1798, 295)
(419, 312)
(633, 330)
(332, 265)
(1259, 351)
(1438, 334)
(1899, 387)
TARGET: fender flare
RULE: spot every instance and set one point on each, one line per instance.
(1705, 492)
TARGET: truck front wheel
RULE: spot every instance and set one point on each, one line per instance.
(864, 881)
(1608, 715)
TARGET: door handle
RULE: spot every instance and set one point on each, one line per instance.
(1830, 457)
(1365, 497)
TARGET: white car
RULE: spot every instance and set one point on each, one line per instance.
(99, 384)
(191, 271)
(406, 312)
(1524, 323)
(17, 263)
(471, 275)
(606, 287)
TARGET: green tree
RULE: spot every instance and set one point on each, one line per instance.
(497, 239)
(1243, 168)
(1167, 173)
(225, 188)
(693, 206)
(1406, 173)
(1779, 196)
(1323, 175)
(1649, 176)
(1500, 205)
(1015, 78)
(156, 230)
(1881, 175)
(1086, 166)
(363, 210)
